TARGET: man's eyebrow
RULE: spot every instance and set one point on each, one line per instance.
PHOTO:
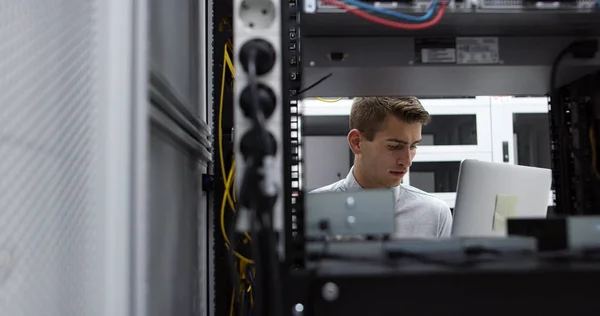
(395, 140)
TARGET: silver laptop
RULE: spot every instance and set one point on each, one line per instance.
(488, 193)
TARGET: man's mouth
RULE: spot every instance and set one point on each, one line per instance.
(398, 173)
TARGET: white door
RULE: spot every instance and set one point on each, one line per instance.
(459, 125)
(521, 132)
(459, 129)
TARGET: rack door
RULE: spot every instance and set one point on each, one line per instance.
(460, 125)
(521, 132)
(438, 173)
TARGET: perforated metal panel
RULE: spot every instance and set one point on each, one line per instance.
(50, 256)
(520, 4)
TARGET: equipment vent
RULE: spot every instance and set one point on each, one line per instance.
(520, 4)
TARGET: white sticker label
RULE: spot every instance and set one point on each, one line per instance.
(310, 6)
(477, 50)
(438, 55)
(386, 5)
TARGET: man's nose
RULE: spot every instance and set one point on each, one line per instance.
(405, 158)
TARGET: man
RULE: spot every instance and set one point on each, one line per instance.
(384, 135)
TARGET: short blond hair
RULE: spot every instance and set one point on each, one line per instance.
(368, 113)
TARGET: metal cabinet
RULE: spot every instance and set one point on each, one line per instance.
(459, 129)
(503, 129)
(521, 132)
(509, 129)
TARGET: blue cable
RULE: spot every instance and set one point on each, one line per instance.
(247, 303)
(395, 14)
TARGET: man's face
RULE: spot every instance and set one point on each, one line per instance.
(386, 159)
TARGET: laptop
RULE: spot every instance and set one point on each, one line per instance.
(488, 193)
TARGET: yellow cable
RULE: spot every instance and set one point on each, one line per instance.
(329, 101)
(229, 45)
(223, 230)
(229, 64)
(227, 61)
(220, 128)
(233, 191)
(229, 179)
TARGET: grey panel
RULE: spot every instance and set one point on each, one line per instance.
(208, 282)
(350, 213)
(325, 125)
(524, 69)
(173, 229)
(177, 233)
(172, 114)
(204, 302)
(172, 50)
(326, 160)
(179, 152)
(52, 256)
(177, 224)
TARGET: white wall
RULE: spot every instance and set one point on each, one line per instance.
(327, 160)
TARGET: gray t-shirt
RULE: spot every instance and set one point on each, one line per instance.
(418, 214)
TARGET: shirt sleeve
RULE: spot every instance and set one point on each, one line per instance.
(445, 222)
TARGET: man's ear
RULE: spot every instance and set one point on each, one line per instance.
(354, 141)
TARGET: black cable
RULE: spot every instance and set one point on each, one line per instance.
(555, 67)
(273, 260)
(314, 84)
(257, 288)
(231, 259)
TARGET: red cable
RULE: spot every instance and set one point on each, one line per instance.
(398, 25)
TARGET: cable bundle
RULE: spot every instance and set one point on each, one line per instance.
(424, 21)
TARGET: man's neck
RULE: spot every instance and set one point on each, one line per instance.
(360, 177)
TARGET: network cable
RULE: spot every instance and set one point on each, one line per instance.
(228, 179)
(395, 14)
(389, 23)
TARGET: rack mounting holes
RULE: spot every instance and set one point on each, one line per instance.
(257, 14)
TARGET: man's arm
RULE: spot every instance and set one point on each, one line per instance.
(445, 222)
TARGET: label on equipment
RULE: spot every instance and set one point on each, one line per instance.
(477, 50)
(438, 55)
(435, 51)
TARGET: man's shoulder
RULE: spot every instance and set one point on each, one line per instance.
(334, 187)
(424, 198)
(429, 208)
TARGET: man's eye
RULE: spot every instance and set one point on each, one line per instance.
(413, 147)
(393, 147)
